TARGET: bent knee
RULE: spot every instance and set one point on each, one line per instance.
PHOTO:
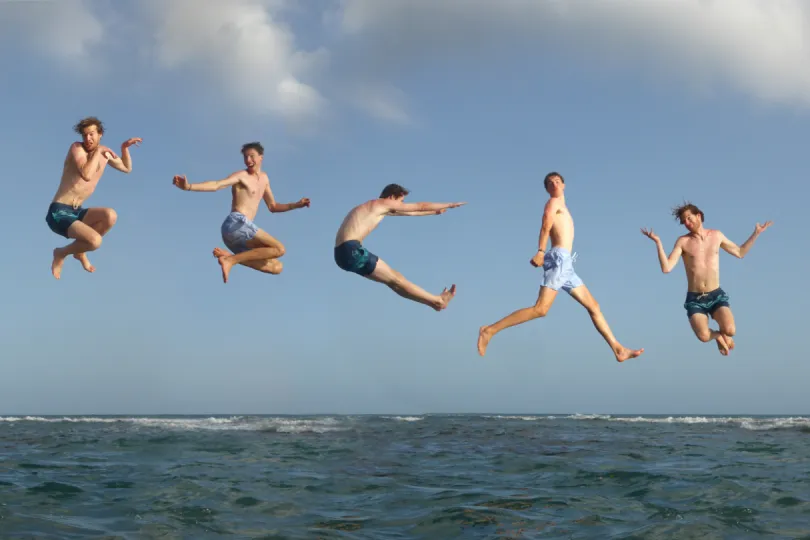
(729, 330)
(111, 216)
(281, 250)
(94, 241)
(540, 310)
(704, 336)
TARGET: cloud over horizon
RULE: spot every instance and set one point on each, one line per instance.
(249, 50)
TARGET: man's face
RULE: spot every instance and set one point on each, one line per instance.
(555, 186)
(90, 138)
(252, 159)
(691, 221)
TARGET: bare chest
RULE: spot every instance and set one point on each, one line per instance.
(702, 249)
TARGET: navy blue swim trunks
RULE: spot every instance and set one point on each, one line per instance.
(61, 216)
(351, 256)
(705, 303)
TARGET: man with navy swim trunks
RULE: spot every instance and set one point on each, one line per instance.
(84, 166)
(351, 256)
(251, 246)
(705, 298)
(558, 273)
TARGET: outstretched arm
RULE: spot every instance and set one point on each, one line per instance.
(739, 251)
(399, 208)
(211, 185)
(667, 263)
(275, 207)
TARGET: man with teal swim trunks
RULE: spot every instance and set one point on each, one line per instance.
(350, 254)
(251, 246)
(705, 298)
(84, 166)
(558, 273)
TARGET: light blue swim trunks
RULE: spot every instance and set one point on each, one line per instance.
(558, 270)
(237, 229)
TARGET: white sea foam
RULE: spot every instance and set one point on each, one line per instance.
(233, 423)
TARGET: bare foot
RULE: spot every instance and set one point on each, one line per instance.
(82, 258)
(626, 354)
(222, 259)
(729, 342)
(722, 346)
(484, 335)
(58, 261)
(446, 296)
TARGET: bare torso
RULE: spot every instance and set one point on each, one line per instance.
(248, 193)
(701, 260)
(562, 230)
(73, 189)
(360, 221)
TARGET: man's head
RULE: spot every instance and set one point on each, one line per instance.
(91, 129)
(253, 154)
(554, 184)
(689, 216)
(394, 191)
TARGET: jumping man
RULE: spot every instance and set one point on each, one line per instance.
(83, 167)
(251, 246)
(558, 273)
(700, 248)
(351, 256)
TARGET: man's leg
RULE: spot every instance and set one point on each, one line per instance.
(262, 255)
(725, 320)
(396, 282)
(86, 239)
(582, 295)
(100, 220)
(700, 325)
(544, 301)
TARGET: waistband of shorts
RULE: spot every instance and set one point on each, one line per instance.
(558, 249)
(696, 294)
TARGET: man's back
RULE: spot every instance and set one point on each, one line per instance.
(360, 221)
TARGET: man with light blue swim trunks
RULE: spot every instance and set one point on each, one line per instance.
(558, 273)
(251, 246)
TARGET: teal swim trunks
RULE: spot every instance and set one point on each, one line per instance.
(705, 303)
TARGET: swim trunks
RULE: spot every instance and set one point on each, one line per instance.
(61, 216)
(558, 270)
(236, 230)
(705, 303)
(351, 256)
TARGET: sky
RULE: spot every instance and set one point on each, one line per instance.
(640, 105)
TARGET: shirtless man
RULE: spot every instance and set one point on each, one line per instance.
(701, 260)
(351, 256)
(558, 273)
(251, 246)
(84, 165)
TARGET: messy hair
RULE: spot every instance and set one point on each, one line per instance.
(253, 146)
(551, 175)
(393, 190)
(85, 123)
(679, 211)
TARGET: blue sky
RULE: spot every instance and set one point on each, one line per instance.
(638, 107)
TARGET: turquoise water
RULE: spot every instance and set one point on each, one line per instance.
(389, 477)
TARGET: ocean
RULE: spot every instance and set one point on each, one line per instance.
(397, 477)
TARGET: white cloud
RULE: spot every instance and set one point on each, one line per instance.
(66, 30)
(381, 101)
(242, 47)
(761, 47)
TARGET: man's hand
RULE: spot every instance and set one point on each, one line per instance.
(442, 211)
(106, 153)
(129, 142)
(303, 203)
(650, 234)
(759, 228)
(181, 182)
(537, 260)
